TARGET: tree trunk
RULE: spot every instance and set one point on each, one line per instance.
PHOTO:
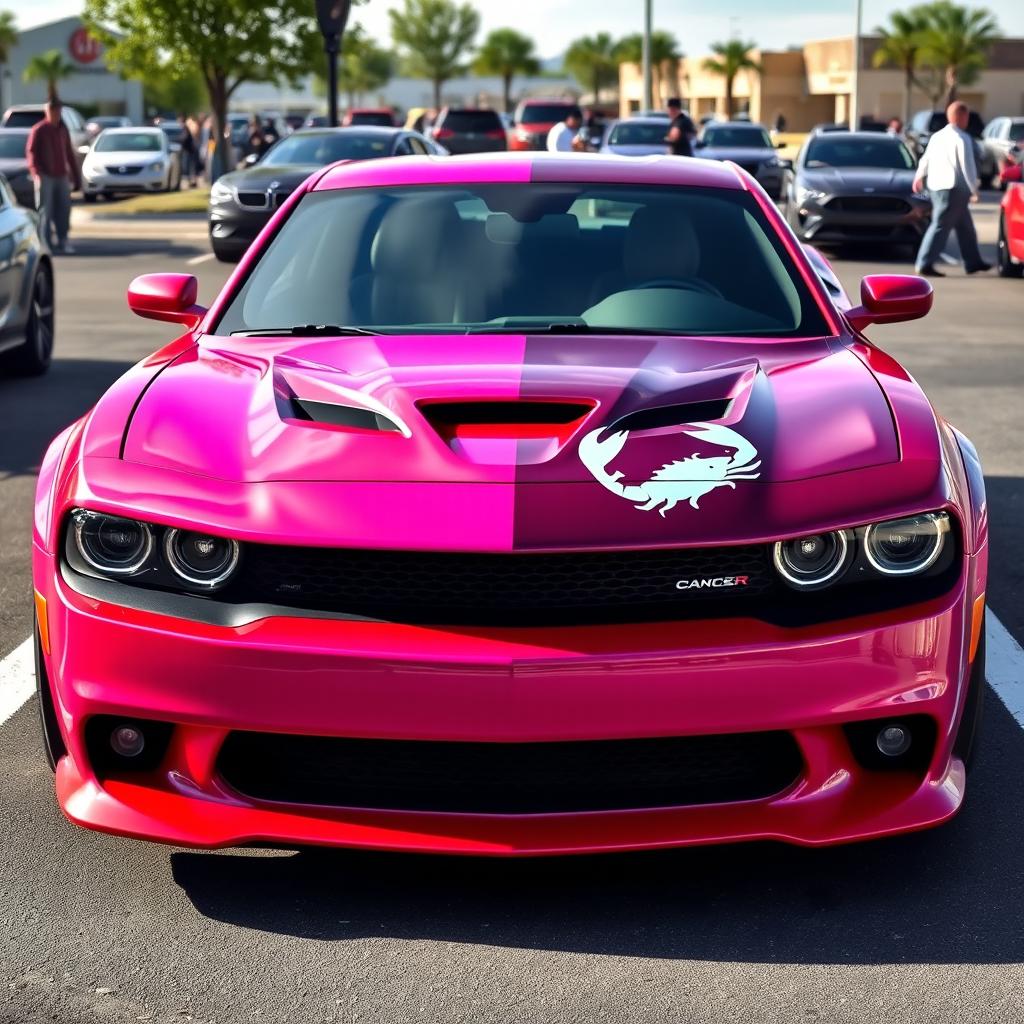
(952, 85)
(596, 84)
(908, 85)
(728, 96)
(217, 88)
(507, 83)
(437, 94)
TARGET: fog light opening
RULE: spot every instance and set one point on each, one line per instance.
(893, 740)
(127, 741)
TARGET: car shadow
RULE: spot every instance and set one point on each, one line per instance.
(121, 246)
(33, 410)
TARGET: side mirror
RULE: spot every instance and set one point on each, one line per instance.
(251, 160)
(167, 297)
(890, 299)
(83, 150)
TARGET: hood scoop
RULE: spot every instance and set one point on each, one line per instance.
(506, 432)
(673, 415)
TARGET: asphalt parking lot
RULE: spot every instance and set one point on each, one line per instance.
(922, 928)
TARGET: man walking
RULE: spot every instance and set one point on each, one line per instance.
(681, 130)
(564, 136)
(54, 169)
(948, 171)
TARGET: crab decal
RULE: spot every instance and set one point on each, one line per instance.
(686, 479)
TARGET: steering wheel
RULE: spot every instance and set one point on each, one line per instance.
(691, 284)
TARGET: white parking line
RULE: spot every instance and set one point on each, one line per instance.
(206, 257)
(17, 679)
(1004, 668)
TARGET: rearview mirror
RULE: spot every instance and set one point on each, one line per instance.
(890, 299)
(168, 297)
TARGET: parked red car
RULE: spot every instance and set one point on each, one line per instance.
(383, 117)
(1011, 230)
(533, 120)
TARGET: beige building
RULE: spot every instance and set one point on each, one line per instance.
(811, 84)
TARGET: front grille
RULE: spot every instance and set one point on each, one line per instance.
(253, 200)
(119, 169)
(510, 778)
(868, 204)
(513, 589)
(277, 198)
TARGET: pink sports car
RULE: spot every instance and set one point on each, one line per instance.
(522, 504)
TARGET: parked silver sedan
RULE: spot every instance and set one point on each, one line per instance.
(636, 136)
(130, 160)
(746, 144)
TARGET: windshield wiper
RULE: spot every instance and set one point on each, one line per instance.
(304, 331)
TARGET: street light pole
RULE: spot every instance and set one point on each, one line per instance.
(855, 87)
(646, 57)
(332, 16)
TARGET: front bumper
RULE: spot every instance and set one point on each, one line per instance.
(232, 228)
(323, 677)
(828, 220)
(140, 181)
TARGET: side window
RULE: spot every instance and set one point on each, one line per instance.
(418, 146)
(404, 148)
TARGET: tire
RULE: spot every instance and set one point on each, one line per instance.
(1007, 268)
(32, 357)
(969, 734)
(53, 742)
(89, 197)
(177, 182)
(225, 255)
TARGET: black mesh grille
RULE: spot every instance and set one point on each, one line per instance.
(868, 204)
(510, 778)
(460, 589)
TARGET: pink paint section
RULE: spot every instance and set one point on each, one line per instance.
(427, 170)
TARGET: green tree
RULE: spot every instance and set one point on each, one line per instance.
(364, 66)
(227, 42)
(730, 59)
(593, 62)
(956, 42)
(902, 46)
(8, 35)
(506, 53)
(49, 67)
(175, 90)
(434, 37)
(665, 56)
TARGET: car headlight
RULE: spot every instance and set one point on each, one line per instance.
(809, 195)
(156, 165)
(112, 544)
(903, 547)
(813, 561)
(221, 193)
(199, 558)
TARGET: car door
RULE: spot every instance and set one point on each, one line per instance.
(15, 249)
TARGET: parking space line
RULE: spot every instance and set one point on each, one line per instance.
(206, 257)
(1004, 668)
(17, 679)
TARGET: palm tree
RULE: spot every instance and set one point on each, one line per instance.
(591, 60)
(956, 39)
(506, 53)
(902, 46)
(732, 58)
(50, 66)
(665, 56)
(8, 40)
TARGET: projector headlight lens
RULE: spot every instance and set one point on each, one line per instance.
(111, 544)
(813, 561)
(903, 547)
(201, 559)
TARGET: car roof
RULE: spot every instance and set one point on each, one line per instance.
(742, 125)
(642, 119)
(525, 167)
(351, 129)
(866, 136)
(125, 129)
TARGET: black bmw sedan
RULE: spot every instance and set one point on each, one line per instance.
(855, 187)
(243, 201)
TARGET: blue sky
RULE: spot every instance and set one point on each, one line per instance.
(554, 22)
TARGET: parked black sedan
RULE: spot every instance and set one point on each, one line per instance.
(243, 201)
(26, 291)
(14, 165)
(855, 187)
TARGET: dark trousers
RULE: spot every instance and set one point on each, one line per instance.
(951, 211)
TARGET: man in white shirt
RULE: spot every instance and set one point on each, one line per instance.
(948, 171)
(562, 137)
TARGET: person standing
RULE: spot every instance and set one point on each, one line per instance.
(564, 136)
(53, 165)
(189, 150)
(681, 131)
(948, 171)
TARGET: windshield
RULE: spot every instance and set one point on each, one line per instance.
(376, 117)
(23, 118)
(542, 113)
(633, 133)
(737, 138)
(471, 121)
(1017, 131)
(129, 142)
(12, 147)
(319, 149)
(528, 258)
(884, 153)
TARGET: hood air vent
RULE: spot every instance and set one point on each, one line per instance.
(674, 415)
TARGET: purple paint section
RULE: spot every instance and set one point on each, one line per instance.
(426, 170)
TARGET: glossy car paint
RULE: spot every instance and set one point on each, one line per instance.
(190, 438)
(1011, 231)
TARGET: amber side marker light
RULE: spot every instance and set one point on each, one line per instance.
(977, 623)
(44, 626)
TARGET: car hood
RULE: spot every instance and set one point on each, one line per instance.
(130, 157)
(510, 408)
(857, 179)
(259, 178)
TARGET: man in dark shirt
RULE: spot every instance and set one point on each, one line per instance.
(54, 169)
(682, 131)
